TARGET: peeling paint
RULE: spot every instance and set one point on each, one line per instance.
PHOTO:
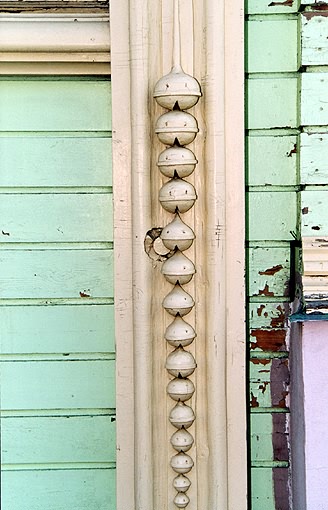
(286, 3)
(254, 402)
(272, 270)
(265, 291)
(273, 340)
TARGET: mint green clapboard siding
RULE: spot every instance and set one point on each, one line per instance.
(314, 158)
(73, 489)
(314, 105)
(56, 329)
(57, 349)
(274, 7)
(314, 213)
(314, 39)
(69, 160)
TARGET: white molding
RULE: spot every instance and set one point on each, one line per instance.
(315, 269)
(54, 38)
(213, 51)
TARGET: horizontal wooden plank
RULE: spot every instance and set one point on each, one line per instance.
(270, 488)
(314, 105)
(268, 315)
(272, 215)
(90, 489)
(56, 274)
(269, 383)
(272, 103)
(314, 213)
(272, 45)
(57, 329)
(272, 160)
(42, 440)
(274, 7)
(314, 158)
(268, 340)
(36, 161)
(269, 437)
(269, 271)
(63, 217)
(314, 38)
(71, 385)
(63, 105)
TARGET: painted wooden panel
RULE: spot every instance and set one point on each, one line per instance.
(268, 340)
(268, 7)
(272, 45)
(269, 437)
(314, 38)
(269, 271)
(268, 315)
(269, 383)
(314, 105)
(272, 160)
(270, 488)
(64, 105)
(70, 384)
(272, 102)
(314, 213)
(28, 161)
(56, 217)
(314, 158)
(57, 329)
(262, 226)
(83, 489)
(56, 273)
(42, 440)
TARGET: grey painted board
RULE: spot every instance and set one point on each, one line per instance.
(74, 489)
(42, 440)
(57, 329)
(56, 217)
(57, 384)
(56, 273)
(36, 161)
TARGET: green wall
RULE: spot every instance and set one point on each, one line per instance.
(57, 353)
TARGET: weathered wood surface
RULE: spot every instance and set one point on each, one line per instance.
(269, 271)
(270, 488)
(274, 7)
(261, 207)
(51, 440)
(56, 274)
(269, 383)
(271, 46)
(268, 315)
(57, 385)
(314, 213)
(49, 161)
(57, 217)
(314, 158)
(272, 103)
(57, 329)
(83, 489)
(314, 105)
(314, 38)
(272, 160)
(269, 437)
(58, 105)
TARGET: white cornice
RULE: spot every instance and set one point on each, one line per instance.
(54, 38)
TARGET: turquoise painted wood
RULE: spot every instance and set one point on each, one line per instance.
(272, 45)
(269, 271)
(272, 103)
(73, 160)
(314, 105)
(64, 105)
(268, 315)
(54, 273)
(314, 158)
(274, 7)
(95, 441)
(314, 39)
(314, 213)
(274, 488)
(73, 489)
(261, 207)
(57, 329)
(57, 349)
(272, 160)
(48, 217)
(261, 428)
